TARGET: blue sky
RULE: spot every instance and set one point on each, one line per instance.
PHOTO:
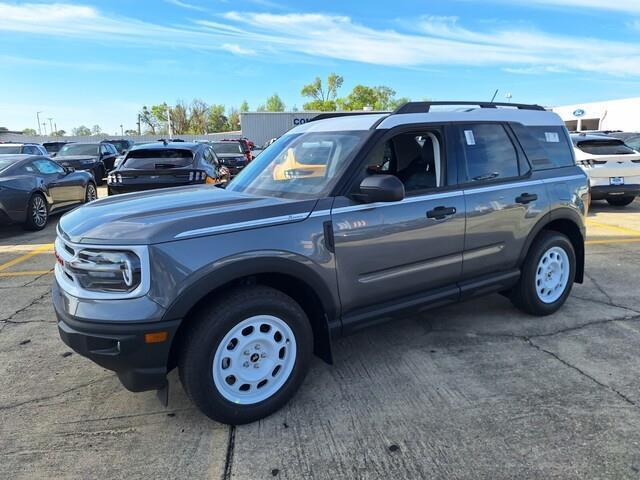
(88, 62)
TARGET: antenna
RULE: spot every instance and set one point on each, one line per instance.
(494, 96)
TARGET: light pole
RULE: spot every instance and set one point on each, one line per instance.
(121, 130)
(50, 125)
(508, 96)
(44, 126)
(39, 128)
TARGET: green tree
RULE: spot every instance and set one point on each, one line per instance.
(274, 104)
(147, 118)
(96, 130)
(5, 129)
(323, 97)
(244, 106)
(377, 98)
(216, 119)
(198, 116)
(28, 131)
(81, 131)
(234, 119)
(59, 133)
(180, 118)
(130, 132)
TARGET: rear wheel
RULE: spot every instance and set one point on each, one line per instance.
(37, 213)
(246, 354)
(620, 201)
(91, 193)
(547, 275)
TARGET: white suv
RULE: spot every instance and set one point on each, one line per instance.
(613, 167)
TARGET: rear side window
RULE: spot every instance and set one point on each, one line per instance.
(605, 147)
(487, 152)
(153, 159)
(545, 147)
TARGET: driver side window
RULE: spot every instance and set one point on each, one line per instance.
(416, 158)
(47, 167)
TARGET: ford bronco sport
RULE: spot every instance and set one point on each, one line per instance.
(372, 217)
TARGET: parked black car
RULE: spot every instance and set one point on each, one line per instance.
(166, 164)
(54, 147)
(98, 158)
(632, 139)
(121, 145)
(32, 187)
(16, 148)
(231, 154)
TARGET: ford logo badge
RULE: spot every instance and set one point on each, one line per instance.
(578, 112)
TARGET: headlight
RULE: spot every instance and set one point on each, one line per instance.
(106, 271)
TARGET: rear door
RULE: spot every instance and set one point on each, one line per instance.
(387, 252)
(503, 201)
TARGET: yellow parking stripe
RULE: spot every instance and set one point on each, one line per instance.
(24, 257)
(629, 231)
(20, 274)
(27, 247)
(618, 240)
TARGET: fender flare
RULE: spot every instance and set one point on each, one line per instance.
(204, 282)
(563, 213)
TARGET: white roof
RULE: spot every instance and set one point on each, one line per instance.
(365, 122)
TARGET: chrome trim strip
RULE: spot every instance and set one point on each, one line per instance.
(263, 222)
(394, 272)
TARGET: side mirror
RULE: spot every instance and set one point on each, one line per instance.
(381, 188)
(68, 170)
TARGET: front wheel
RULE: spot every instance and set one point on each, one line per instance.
(246, 355)
(547, 275)
(620, 201)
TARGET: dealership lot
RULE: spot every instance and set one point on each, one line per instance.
(476, 390)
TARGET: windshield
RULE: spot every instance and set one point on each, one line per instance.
(80, 149)
(605, 147)
(303, 165)
(153, 159)
(53, 147)
(9, 149)
(6, 163)
(121, 145)
(227, 147)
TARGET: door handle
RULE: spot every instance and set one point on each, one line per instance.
(439, 213)
(526, 198)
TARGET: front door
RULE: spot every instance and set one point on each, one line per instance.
(386, 251)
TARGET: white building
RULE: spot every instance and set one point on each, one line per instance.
(621, 114)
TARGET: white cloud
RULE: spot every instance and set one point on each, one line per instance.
(237, 49)
(188, 6)
(425, 41)
(628, 6)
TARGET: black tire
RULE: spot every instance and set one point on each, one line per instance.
(212, 323)
(525, 295)
(37, 221)
(99, 175)
(88, 194)
(620, 201)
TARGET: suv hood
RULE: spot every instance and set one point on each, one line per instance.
(75, 158)
(176, 213)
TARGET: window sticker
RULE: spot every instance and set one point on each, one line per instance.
(551, 137)
(468, 134)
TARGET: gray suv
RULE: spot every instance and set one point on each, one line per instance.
(343, 222)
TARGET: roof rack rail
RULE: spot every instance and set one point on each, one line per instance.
(424, 107)
(324, 115)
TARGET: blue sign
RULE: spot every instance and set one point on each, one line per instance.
(578, 112)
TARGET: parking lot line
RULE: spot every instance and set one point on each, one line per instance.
(29, 273)
(27, 256)
(626, 230)
(616, 240)
(27, 247)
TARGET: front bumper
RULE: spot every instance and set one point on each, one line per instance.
(119, 345)
(601, 192)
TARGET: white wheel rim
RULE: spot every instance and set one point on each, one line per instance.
(552, 274)
(39, 211)
(254, 359)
